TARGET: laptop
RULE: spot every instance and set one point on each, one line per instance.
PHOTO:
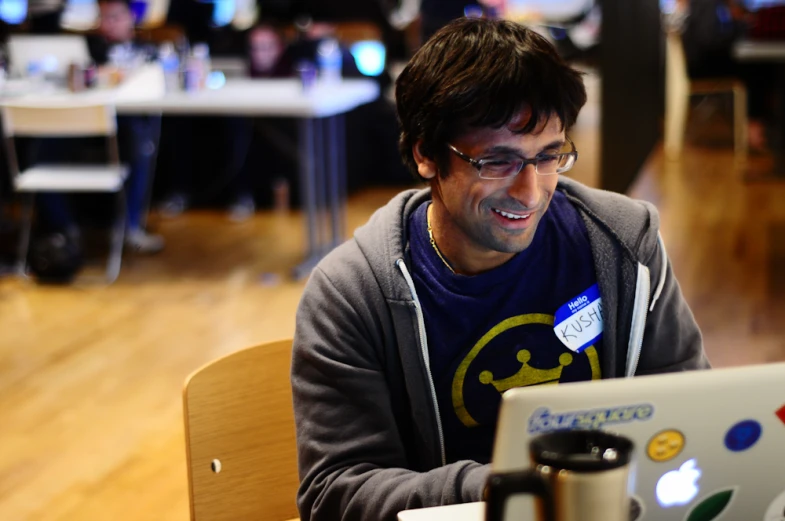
(708, 444)
(49, 54)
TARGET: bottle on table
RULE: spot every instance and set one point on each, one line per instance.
(197, 68)
(330, 60)
(170, 63)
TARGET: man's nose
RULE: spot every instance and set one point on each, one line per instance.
(525, 187)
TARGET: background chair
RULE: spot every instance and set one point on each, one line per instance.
(678, 89)
(72, 121)
(240, 440)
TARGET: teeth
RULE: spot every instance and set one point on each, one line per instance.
(511, 215)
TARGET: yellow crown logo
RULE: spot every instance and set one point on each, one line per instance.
(527, 375)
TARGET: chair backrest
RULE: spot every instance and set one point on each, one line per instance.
(240, 440)
(346, 32)
(53, 53)
(75, 121)
(350, 32)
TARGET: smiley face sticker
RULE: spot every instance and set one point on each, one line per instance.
(665, 445)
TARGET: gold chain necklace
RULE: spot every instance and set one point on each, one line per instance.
(433, 242)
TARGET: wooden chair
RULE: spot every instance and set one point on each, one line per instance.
(678, 89)
(350, 32)
(67, 121)
(347, 32)
(159, 34)
(240, 441)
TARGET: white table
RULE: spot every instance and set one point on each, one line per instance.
(253, 97)
(320, 110)
(146, 84)
(748, 50)
(464, 512)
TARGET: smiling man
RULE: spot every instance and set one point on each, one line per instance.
(501, 274)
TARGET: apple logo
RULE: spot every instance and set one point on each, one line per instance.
(776, 510)
(679, 487)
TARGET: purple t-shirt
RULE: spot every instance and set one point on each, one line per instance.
(493, 331)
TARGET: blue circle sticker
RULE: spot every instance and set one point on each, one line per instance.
(743, 435)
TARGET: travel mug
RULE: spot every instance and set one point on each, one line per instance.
(576, 475)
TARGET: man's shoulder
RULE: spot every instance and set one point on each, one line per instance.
(632, 221)
(343, 261)
(370, 256)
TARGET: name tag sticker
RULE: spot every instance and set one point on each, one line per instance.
(579, 321)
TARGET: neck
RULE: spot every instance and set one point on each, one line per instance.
(462, 255)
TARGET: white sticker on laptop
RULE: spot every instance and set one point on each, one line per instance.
(579, 321)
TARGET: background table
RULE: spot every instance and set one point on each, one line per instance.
(320, 110)
(322, 143)
(749, 50)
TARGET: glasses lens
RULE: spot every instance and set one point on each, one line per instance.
(500, 168)
(555, 164)
(549, 164)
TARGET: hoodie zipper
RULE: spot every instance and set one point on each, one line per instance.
(640, 311)
(426, 357)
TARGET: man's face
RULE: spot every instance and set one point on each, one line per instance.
(266, 48)
(468, 226)
(117, 22)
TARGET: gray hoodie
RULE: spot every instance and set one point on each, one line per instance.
(369, 436)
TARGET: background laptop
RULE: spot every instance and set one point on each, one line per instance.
(708, 444)
(50, 54)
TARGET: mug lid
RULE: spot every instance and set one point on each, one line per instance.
(581, 450)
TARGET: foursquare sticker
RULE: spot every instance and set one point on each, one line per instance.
(579, 321)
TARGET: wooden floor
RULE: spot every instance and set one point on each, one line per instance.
(90, 378)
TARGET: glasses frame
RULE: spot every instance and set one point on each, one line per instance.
(478, 163)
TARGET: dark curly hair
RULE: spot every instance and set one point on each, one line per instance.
(480, 73)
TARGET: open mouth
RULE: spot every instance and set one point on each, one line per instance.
(513, 216)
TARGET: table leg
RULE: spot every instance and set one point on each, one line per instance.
(337, 179)
(323, 187)
(343, 183)
(308, 195)
(322, 184)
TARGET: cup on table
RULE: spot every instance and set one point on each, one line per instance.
(575, 475)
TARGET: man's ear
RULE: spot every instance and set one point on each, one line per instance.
(426, 167)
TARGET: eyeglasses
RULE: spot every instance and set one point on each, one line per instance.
(508, 166)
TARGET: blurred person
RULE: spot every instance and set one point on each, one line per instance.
(371, 138)
(411, 330)
(116, 34)
(310, 34)
(265, 47)
(137, 135)
(709, 29)
(276, 145)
